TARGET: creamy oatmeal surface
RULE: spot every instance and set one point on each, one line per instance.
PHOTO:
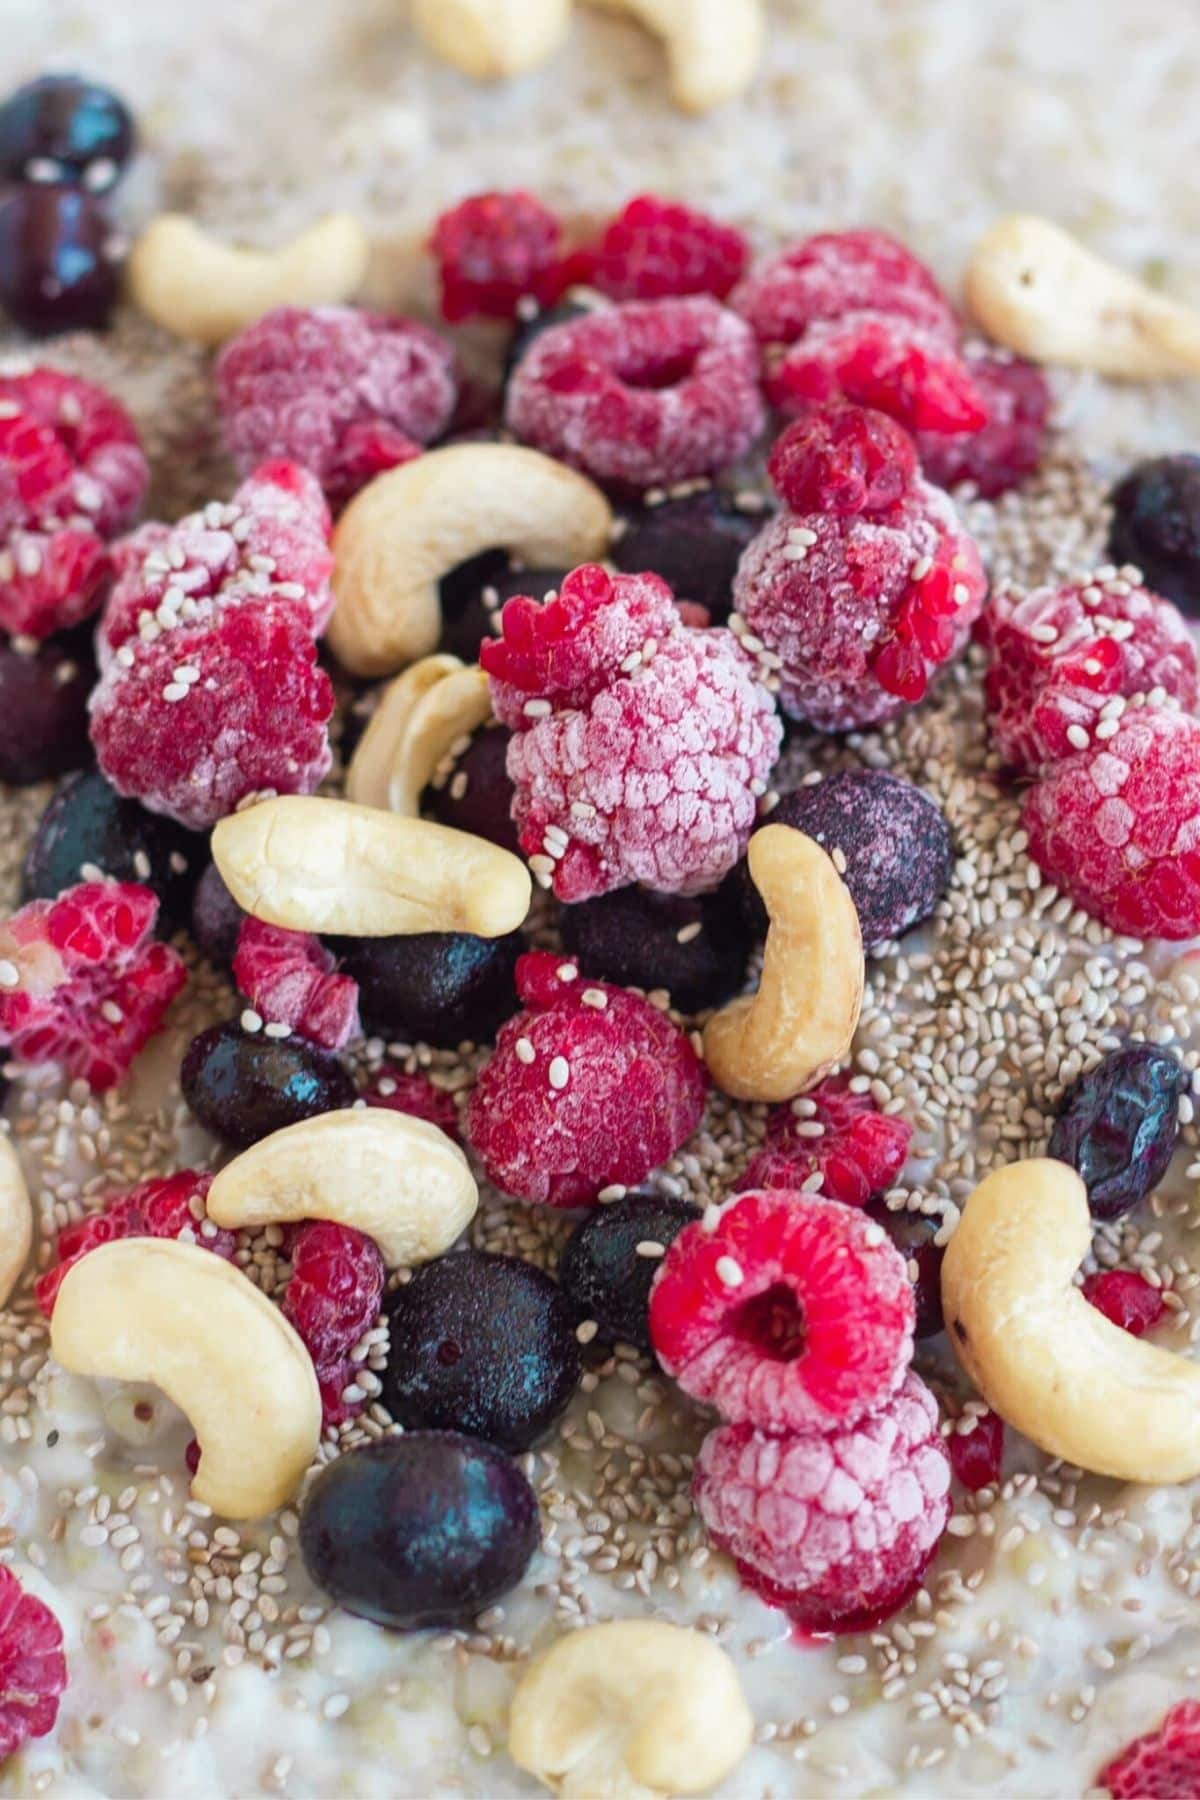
(1057, 1622)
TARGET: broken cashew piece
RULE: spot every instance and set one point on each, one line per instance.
(174, 1315)
(1035, 289)
(1048, 1362)
(16, 1219)
(195, 285)
(776, 1043)
(329, 866)
(713, 47)
(399, 1179)
(632, 1709)
(423, 713)
(412, 525)
(491, 40)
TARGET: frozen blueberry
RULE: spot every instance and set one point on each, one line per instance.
(1156, 524)
(88, 826)
(58, 260)
(474, 593)
(216, 918)
(65, 128)
(436, 987)
(695, 946)
(243, 1085)
(601, 1272)
(43, 710)
(478, 796)
(1117, 1126)
(694, 543)
(913, 1234)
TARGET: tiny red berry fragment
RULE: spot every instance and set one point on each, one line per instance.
(290, 979)
(658, 248)
(33, 1669)
(977, 1455)
(1016, 397)
(332, 1299)
(495, 250)
(1129, 1300)
(166, 1206)
(842, 459)
(398, 1091)
(842, 1136)
(1162, 1765)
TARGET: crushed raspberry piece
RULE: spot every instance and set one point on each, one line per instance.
(33, 1669)
(843, 459)
(346, 393)
(290, 979)
(398, 1091)
(836, 1528)
(789, 1316)
(166, 1206)
(588, 1088)
(643, 394)
(1016, 397)
(656, 248)
(495, 250)
(977, 1455)
(840, 1135)
(639, 766)
(332, 1299)
(1117, 826)
(838, 272)
(92, 983)
(1060, 659)
(1162, 1765)
(1129, 1300)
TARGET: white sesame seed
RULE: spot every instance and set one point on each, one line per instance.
(651, 1249)
(251, 1020)
(537, 709)
(559, 1072)
(10, 975)
(730, 1271)
(586, 1330)
(525, 1051)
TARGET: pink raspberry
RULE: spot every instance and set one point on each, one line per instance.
(87, 983)
(1128, 1300)
(1059, 658)
(589, 1087)
(290, 979)
(639, 743)
(977, 1456)
(344, 392)
(880, 360)
(1164, 1764)
(495, 250)
(832, 1131)
(415, 1094)
(332, 1299)
(33, 1669)
(1117, 826)
(643, 394)
(166, 1206)
(834, 273)
(1016, 397)
(842, 459)
(658, 248)
(840, 1528)
(787, 1315)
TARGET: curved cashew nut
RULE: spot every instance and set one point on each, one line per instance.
(396, 1178)
(424, 711)
(713, 46)
(411, 526)
(783, 1039)
(630, 1709)
(1043, 1358)
(16, 1219)
(493, 39)
(150, 1309)
(198, 287)
(328, 866)
(1035, 289)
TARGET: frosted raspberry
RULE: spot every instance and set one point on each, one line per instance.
(589, 1087)
(857, 1150)
(838, 1529)
(834, 273)
(842, 459)
(1016, 397)
(495, 250)
(788, 1315)
(1059, 658)
(33, 1669)
(332, 1299)
(398, 1091)
(290, 979)
(344, 392)
(643, 767)
(91, 982)
(1128, 1300)
(1162, 1765)
(1117, 826)
(977, 1455)
(880, 360)
(166, 1206)
(643, 394)
(655, 248)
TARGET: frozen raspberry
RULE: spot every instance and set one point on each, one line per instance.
(880, 360)
(290, 979)
(91, 982)
(838, 272)
(415, 1094)
(33, 1669)
(1060, 658)
(838, 1529)
(1016, 397)
(1129, 1300)
(657, 248)
(977, 1455)
(495, 250)
(857, 1150)
(589, 1087)
(346, 393)
(1162, 1765)
(843, 459)
(639, 743)
(644, 394)
(166, 1206)
(332, 1299)
(1117, 826)
(788, 1315)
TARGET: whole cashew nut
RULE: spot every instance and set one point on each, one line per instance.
(493, 39)
(1035, 289)
(200, 288)
(423, 712)
(632, 1709)
(411, 526)
(329, 866)
(174, 1315)
(16, 1219)
(399, 1179)
(773, 1044)
(1048, 1362)
(713, 47)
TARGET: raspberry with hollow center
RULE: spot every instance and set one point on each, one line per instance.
(493, 251)
(589, 1087)
(880, 360)
(33, 1669)
(838, 1528)
(837, 272)
(1164, 1764)
(857, 1150)
(842, 459)
(332, 1298)
(1128, 1300)
(657, 248)
(398, 1091)
(166, 1206)
(1016, 397)
(977, 1455)
(785, 1315)
(290, 979)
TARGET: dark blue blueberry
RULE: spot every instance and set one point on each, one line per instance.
(601, 1272)
(65, 128)
(1117, 1126)
(474, 593)
(480, 799)
(43, 710)
(694, 543)
(1156, 524)
(436, 987)
(641, 939)
(58, 260)
(244, 1085)
(88, 826)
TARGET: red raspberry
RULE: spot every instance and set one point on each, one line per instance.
(588, 1088)
(33, 1669)
(344, 392)
(836, 1528)
(641, 395)
(332, 1299)
(1162, 1765)
(858, 1150)
(843, 459)
(788, 1316)
(166, 1206)
(657, 248)
(289, 978)
(495, 250)
(878, 359)
(977, 1456)
(662, 737)
(1129, 1300)
(415, 1094)
(1060, 658)
(827, 276)
(1117, 826)
(1016, 397)
(91, 981)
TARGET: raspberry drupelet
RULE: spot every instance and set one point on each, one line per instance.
(33, 1669)
(590, 1087)
(291, 979)
(657, 248)
(166, 1206)
(837, 1134)
(639, 744)
(1126, 1299)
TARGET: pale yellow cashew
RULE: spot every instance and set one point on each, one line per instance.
(491, 40)
(1045, 1359)
(713, 47)
(195, 285)
(184, 1320)
(775, 1043)
(424, 712)
(16, 1219)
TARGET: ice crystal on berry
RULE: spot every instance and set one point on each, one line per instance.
(332, 1299)
(166, 1206)
(290, 979)
(836, 272)
(658, 248)
(836, 1133)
